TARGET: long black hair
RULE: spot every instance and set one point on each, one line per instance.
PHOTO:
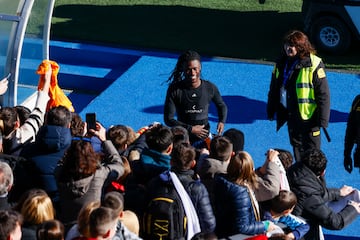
(178, 74)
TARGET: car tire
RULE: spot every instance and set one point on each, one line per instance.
(331, 35)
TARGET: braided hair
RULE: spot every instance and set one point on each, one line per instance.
(178, 74)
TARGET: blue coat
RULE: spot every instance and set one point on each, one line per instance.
(44, 155)
(233, 209)
(200, 198)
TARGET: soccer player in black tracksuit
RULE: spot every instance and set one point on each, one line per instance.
(189, 97)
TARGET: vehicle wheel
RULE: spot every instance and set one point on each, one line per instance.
(331, 35)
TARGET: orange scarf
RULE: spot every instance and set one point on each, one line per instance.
(56, 94)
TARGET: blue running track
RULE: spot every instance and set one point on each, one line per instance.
(128, 87)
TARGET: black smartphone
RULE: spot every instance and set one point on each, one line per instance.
(91, 121)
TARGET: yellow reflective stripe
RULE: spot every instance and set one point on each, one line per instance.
(163, 199)
(304, 85)
(305, 100)
(316, 133)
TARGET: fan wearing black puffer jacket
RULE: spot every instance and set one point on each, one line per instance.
(306, 179)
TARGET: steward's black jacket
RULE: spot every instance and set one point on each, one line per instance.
(321, 116)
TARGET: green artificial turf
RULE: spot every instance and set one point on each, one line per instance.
(243, 29)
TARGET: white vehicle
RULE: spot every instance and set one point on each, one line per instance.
(333, 25)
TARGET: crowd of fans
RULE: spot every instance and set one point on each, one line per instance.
(61, 180)
(68, 190)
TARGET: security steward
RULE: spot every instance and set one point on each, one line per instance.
(299, 93)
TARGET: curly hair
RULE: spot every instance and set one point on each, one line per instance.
(285, 157)
(300, 41)
(315, 160)
(80, 160)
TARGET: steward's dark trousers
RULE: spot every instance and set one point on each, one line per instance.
(303, 137)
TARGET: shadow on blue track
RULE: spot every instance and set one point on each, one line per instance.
(245, 110)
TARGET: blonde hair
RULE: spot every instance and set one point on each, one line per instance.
(131, 221)
(241, 170)
(37, 207)
(83, 217)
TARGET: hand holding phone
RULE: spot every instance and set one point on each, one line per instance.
(91, 121)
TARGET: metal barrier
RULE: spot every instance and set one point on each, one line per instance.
(14, 19)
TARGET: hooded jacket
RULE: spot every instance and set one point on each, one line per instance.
(151, 164)
(76, 193)
(44, 155)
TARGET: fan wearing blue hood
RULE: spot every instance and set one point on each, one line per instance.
(52, 140)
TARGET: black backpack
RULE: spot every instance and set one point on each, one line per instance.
(164, 217)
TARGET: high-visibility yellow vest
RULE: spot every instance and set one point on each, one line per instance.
(305, 89)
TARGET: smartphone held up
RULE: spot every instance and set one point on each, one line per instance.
(91, 121)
